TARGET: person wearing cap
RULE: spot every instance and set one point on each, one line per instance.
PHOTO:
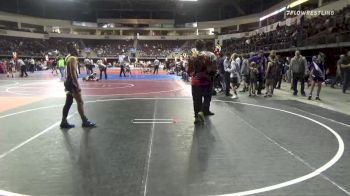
(317, 75)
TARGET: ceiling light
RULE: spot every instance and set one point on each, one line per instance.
(295, 3)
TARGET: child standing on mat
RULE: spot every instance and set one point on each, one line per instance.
(253, 72)
(73, 90)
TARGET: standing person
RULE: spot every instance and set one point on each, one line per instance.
(23, 67)
(103, 69)
(87, 66)
(280, 72)
(234, 75)
(123, 60)
(253, 77)
(73, 90)
(260, 61)
(227, 67)
(271, 74)
(167, 64)
(317, 76)
(298, 66)
(31, 65)
(11, 68)
(199, 68)
(245, 73)
(212, 58)
(60, 64)
(345, 66)
(339, 74)
(54, 66)
(156, 66)
(221, 69)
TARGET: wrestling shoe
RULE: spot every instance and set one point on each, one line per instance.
(88, 124)
(66, 125)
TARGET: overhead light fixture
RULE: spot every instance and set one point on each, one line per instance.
(295, 3)
(273, 13)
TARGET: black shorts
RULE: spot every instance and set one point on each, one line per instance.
(234, 81)
(317, 79)
(71, 87)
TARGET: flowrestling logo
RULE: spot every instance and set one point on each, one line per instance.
(310, 12)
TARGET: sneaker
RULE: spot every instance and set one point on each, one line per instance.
(66, 125)
(88, 124)
(201, 116)
(310, 97)
(229, 95)
(303, 94)
(318, 98)
(295, 94)
(234, 97)
(209, 113)
(265, 95)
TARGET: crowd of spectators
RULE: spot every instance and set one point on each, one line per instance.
(101, 48)
(159, 48)
(108, 48)
(295, 35)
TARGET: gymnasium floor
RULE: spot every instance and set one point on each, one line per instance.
(146, 144)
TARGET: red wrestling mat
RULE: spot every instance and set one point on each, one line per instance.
(128, 88)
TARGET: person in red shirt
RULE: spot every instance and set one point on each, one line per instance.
(200, 67)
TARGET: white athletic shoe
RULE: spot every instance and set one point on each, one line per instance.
(234, 97)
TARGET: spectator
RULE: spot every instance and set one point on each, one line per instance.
(298, 66)
(345, 66)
